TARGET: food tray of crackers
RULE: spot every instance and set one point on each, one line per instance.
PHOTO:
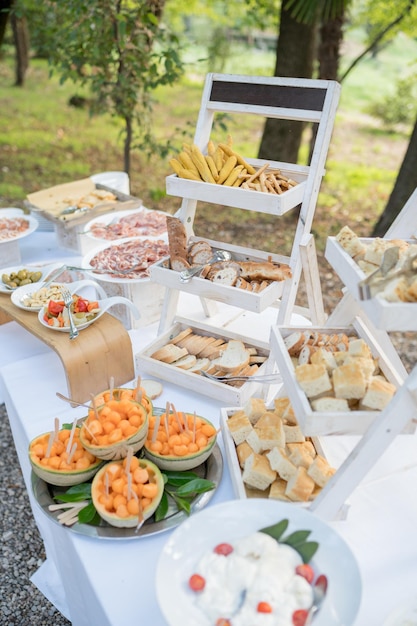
(182, 353)
(338, 379)
(249, 279)
(381, 274)
(222, 176)
(268, 454)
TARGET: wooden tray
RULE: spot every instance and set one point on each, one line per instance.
(248, 300)
(244, 198)
(314, 423)
(101, 351)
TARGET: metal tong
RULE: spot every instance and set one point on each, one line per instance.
(376, 281)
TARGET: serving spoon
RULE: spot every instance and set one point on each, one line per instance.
(218, 255)
(319, 593)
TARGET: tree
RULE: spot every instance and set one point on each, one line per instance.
(122, 51)
(404, 186)
(12, 9)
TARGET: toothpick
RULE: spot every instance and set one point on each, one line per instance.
(129, 486)
(106, 483)
(111, 387)
(138, 390)
(129, 456)
(49, 447)
(166, 419)
(88, 430)
(194, 419)
(185, 421)
(71, 454)
(177, 418)
(140, 515)
(56, 428)
(94, 405)
(156, 427)
(71, 437)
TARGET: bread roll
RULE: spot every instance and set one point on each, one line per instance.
(252, 270)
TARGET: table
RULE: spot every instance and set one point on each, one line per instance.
(90, 580)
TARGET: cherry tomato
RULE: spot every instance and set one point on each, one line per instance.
(264, 607)
(81, 305)
(223, 548)
(299, 617)
(54, 308)
(306, 571)
(197, 582)
(223, 622)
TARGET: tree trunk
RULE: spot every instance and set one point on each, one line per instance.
(296, 44)
(127, 144)
(331, 37)
(404, 186)
(5, 6)
(21, 42)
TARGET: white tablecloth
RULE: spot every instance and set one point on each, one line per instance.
(112, 582)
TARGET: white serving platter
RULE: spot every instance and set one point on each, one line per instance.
(114, 218)
(161, 273)
(45, 270)
(244, 198)
(13, 213)
(104, 306)
(229, 521)
(389, 316)
(239, 487)
(18, 296)
(315, 423)
(195, 382)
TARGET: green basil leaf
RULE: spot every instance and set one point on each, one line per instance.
(162, 508)
(307, 550)
(276, 530)
(87, 514)
(296, 538)
(198, 485)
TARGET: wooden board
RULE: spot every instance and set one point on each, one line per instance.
(101, 351)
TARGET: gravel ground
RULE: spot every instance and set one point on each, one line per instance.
(21, 604)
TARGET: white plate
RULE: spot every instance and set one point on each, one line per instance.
(115, 217)
(86, 262)
(45, 269)
(104, 305)
(231, 520)
(19, 294)
(11, 213)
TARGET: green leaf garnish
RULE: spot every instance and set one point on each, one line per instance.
(162, 508)
(88, 514)
(195, 486)
(297, 540)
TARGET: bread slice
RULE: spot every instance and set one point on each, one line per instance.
(293, 433)
(239, 427)
(300, 486)
(233, 357)
(300, 456)
(294, 342)
(169, 353)
(254, 408)
(257, 472)
(279, 461)
(320, 471)
(359, 347)
(350, 242)
(262, 439)
(186, 362)
(226, 276)
(375, 250)
(349, 381)
(322, 355)
(181, 335)
(243, 450)
(378, 394)
(328, 404)
(313, 379)
(277, 490)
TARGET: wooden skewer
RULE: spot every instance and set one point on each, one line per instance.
(72, 452)
(129, 456)
(138, 393)
(71, 437)
(111, 387)
(166, 419)
(88, 429)
(177, 418)
(94, 405)
(156, 428)
(194, 420)
(106, 483)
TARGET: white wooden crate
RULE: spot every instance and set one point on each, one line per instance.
(248, 300)
(239, 487)
(244, 198)
(223, 392)
(389, 316)
(316, 423)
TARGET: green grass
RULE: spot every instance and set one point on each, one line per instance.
(44, 141)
